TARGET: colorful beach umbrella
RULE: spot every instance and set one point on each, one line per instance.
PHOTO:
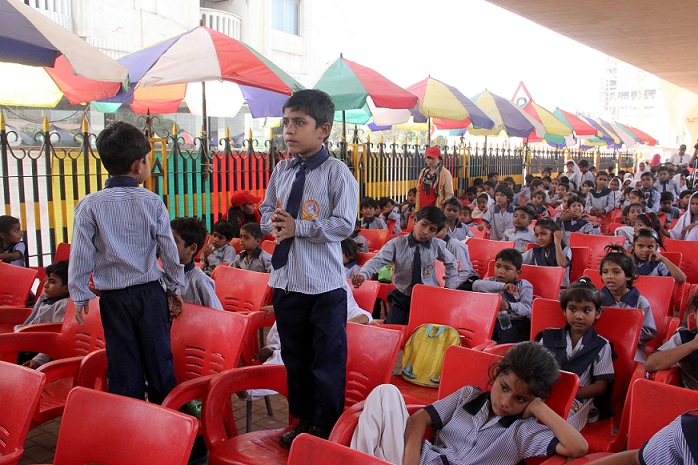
(162, 74)
(607, 135)
(579, 127)
(641, 136)
(508, 118)
(552, 124)
(356, 89)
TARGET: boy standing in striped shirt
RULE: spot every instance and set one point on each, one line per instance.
(309, 208)
(118, 235)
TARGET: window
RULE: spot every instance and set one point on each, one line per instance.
(285, 16)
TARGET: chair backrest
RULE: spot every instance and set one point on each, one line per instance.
(98, 427)
(366, 294)
(472, 314)
(268, 246)
(240, 290)
(596, 245)
(75, 340)
(375, 238)
(410, 224)
(62, 252)
(482, 251)
(580, 257)
(546, 280)
(235, 243)
(644, 421)
(440, 272)
(206, 341)
(310, 449)
(371, 354)
(546, 313)
(613, 226)
(454, 377)
(689, 263)
(20, 389)
(479, 233)
(15, 284)
(363, 257)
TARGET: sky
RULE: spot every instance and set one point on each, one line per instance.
(470, 44)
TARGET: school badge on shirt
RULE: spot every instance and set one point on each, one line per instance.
(310, 209)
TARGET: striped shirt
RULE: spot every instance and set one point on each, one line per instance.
(20, 247)
(467, 436)
(529, 258)
(499, 220)
(669, 445)
(223, 255)
(260, 261)
(45, 311)
(118, 235)
(400, 252)
(605, 202)
(520, 306)
(688, 376)
(521, 238)
(326, 217)
(460, 231)
(199, 289)
(460, 251)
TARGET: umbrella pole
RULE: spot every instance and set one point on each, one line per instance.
(428, 131)
(204, 130)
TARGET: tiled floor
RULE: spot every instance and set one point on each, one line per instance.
(41, 442)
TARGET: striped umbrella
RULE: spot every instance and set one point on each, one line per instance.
(641, 136)
(508, 118)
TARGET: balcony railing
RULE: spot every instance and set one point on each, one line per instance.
(221, 21)
(60, 11)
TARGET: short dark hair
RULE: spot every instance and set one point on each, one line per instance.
(528, 178)
(412, 191)
(666, 196)
(253, 229)
(601, 173)
(532, 364)
(191, 229)
(368, 202)
(7, 222)
(662, 168)
(583, 163)
(433, 215)
(575, 199)
(527, 210)
(313, 102)
(452, 201)
(383, 201)
(59, 270)
(582, 290)
(638, 193)
(536, 182)
(477, 182)
(686, 193)
(466, 208)
(546, 178)
(349, 248)
(224, 228)
(616, 254)
(512, 256)
(589, 182)
(489, 184)
(647, 174)
(540, 193)
(120, 145)
(565, 185)
(506, 190)
(492, 174)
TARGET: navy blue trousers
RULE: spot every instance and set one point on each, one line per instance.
(313, 336)
(520, 331)
(136, 324)
(399, 313)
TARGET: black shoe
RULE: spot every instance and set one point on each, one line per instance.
(319, 432)
(287, 438)
(264, 354)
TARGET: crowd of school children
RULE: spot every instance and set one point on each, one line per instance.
(505, 425)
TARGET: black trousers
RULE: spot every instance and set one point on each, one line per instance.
(520, 331)
(136, 324)
(313, 336)
(399, 308)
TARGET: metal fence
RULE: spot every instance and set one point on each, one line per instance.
(41, 185)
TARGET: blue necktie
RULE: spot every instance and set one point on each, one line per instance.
(416, 267)
(280, 255)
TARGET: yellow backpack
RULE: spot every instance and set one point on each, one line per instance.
(424, 353)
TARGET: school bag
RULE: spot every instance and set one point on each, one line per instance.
(424, 353)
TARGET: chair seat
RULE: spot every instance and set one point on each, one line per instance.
(258, 447)
(597, 434)
(52, 400)
(413, 393)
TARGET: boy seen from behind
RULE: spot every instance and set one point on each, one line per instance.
(137, 296)
(252, 257)
(190, 234)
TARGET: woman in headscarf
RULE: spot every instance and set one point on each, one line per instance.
(685, 229)
(435, 183)
(243, 210)
(574, 174)
(656, 160)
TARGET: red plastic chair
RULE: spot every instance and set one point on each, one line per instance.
(67, 347)
(440, 272)
(483, 233)
(19, 390)
(546, 280)
(268, 246)
(410, 224)
(596, 245)
(363, 257)
(580, 257)
(472, 314)
(611, 229)
(310, 449)
(375, 238)
(482, 251)
(98, 427)
(366, 294)
(607, 220)
(371, 355)
(62, 252)
(689, 263)
(15, 285)
(235, 242)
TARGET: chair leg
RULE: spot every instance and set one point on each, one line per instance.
(267, 401)
(248, 420)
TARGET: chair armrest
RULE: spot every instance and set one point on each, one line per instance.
(60, 369)
(14, 315)
(343, 430)
(484, 346)
(499, 349)
(42, 328)
(93, 368)
(187, 391)
(402, 329)
(13, 457)
(671, 376)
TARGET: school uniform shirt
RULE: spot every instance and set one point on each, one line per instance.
(117, 260)
(374, 222)
(467, 436)
(521, 238)
(401, 250)
(360, 241)
(633, 299)
(650, 268)
(579, 226)
(628, 232)
(675, 444)
(460, 231)
(652, 199)
(687, 365)
(352, 268)
(520, 306)
(673, 214)
(541, 211)
(460, 251)
(591, 359)
(602, 200)
(686, 219)
(617, 198)
(669, 185)
(224, 254)
(199, 288)
(45, 311)
(327, 216)
(586, 176)
(405, 214)
(20, 247)
(259, 261)
(540, 257)
(393, 215)
(499, 220)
